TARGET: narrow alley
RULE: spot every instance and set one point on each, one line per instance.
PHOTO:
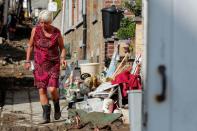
(96, 45)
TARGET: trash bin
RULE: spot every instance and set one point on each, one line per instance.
(91, 68)
(111, 18)
(135, 110)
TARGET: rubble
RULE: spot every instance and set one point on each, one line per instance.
(106, 92)
(94, 120)
(12, 57)
(91, 91)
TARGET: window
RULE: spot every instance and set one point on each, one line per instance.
(74, 13)
(78, 11)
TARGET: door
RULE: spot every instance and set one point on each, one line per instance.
(171, 46)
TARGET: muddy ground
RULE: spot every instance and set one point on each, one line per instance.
(15, 117)
(12, 56)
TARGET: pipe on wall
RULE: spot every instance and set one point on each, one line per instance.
(84, 29)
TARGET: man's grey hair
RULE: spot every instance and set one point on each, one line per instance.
(46, 16)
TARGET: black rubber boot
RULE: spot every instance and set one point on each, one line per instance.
(46, 113)
(57, 113)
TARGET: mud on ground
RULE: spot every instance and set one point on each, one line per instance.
(13, 77)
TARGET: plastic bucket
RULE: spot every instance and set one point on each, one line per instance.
(91, 68)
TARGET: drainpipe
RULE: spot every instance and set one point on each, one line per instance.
(84, 29)
(63, 16)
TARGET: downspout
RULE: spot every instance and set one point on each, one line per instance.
(84, 30)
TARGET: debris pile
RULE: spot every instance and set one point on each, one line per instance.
(90, 93)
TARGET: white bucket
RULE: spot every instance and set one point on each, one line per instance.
(91, 68)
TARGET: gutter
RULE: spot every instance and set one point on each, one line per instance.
(84, 30)
(69, 30)
(72, 28)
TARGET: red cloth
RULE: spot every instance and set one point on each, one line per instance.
(46, 58)
(129, 82)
